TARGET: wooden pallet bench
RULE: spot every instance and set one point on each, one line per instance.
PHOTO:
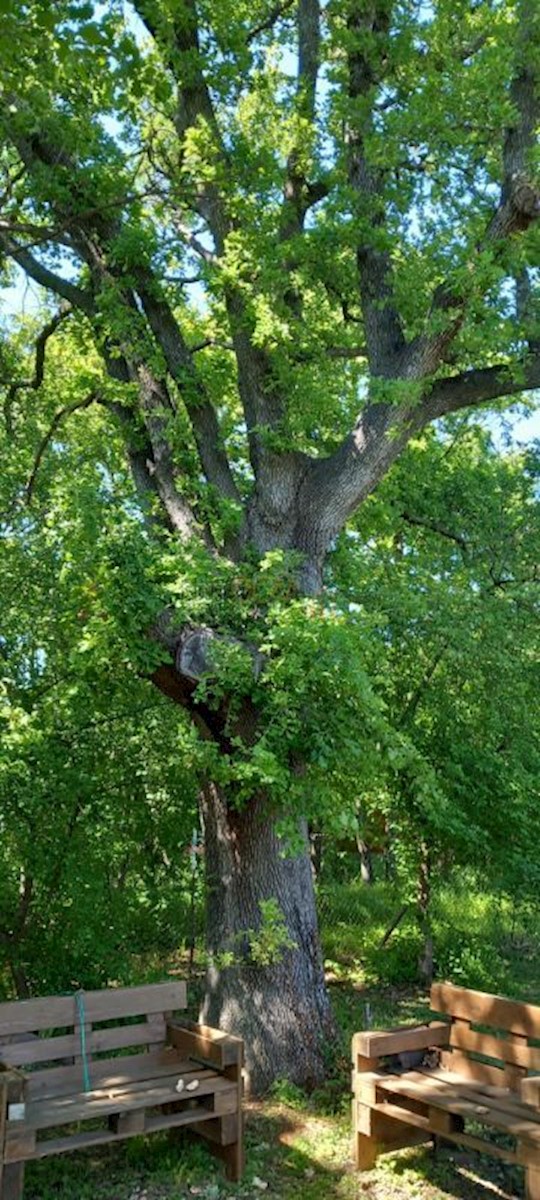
(473, 1067)
(115, 1058)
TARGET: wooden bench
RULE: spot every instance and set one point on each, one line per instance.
(115, 1058)
(472, 1067)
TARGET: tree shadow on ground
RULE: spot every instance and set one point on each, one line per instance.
(460, 1174)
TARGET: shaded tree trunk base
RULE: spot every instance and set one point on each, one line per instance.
(282, 1009)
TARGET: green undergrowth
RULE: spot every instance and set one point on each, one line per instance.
(481, 939)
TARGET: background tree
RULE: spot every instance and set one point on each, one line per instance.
(286, 273)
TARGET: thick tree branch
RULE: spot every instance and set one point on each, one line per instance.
(368, 27)
(200, 410)
(76, 296)
(180, 43)
(275, 13)
(472, 388)
(35, 382)
(58, 419)
(435, 527)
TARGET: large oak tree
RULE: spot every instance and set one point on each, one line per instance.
(294, 234)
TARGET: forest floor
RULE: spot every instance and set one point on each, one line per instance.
(298, 1148)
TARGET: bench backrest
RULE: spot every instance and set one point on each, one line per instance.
(490, 1036)
(51, 1037)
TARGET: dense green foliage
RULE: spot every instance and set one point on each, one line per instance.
(280, 250)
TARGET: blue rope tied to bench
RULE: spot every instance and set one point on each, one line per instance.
(81, 1013)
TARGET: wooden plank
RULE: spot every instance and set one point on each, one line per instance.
(484, 1009)
(29, 1016)
(508, 1050)
(530, 1091)
(222, 1131)
(134, 1002)
(13, 1181)
(119, 1037)
(63, 1110)
(460, 1139)
(129, 1122)
(22, 1054)
(532, 1183)
(19, 1142)
(205, 1044)
(447, 1096)
(476, 1085)
(57, 1012)
(498, 1098)
(100, 1137)
(469, 1068)
(106, 1072)
(377, 1043)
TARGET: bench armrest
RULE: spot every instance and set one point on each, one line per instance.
(376, 1044)
(206, 1045)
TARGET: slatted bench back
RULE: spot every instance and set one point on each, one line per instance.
(46, 1038)
(492, 1028)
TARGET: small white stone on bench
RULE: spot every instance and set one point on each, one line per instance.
(192, 1087)
(180, 1085)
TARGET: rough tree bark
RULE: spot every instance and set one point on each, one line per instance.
(282, 1010)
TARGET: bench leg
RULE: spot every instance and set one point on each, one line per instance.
(11, 1181)
(225, 1141)
(532, 1183)
(365, 1151)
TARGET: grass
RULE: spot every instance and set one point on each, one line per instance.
(298, 1147)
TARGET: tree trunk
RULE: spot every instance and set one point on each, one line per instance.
(281, 1010)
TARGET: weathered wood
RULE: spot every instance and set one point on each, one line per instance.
(484, 1009)
(377, 1044)
(12, 1181)
(530, 1091)
(60, 1012)
(127, 1091)
(101, 1137)
(460, 1139)
(43, 1049)
(106, 1072)
(63, 1110)
(204, 1044)
(532, 1183)
(469, 1068)
(481, 1110)
(514, 1050)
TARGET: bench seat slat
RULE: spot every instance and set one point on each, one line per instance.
(63, 1110)
(106, 1072)
(450, 1098)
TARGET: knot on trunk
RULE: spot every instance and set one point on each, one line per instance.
(194, 658)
